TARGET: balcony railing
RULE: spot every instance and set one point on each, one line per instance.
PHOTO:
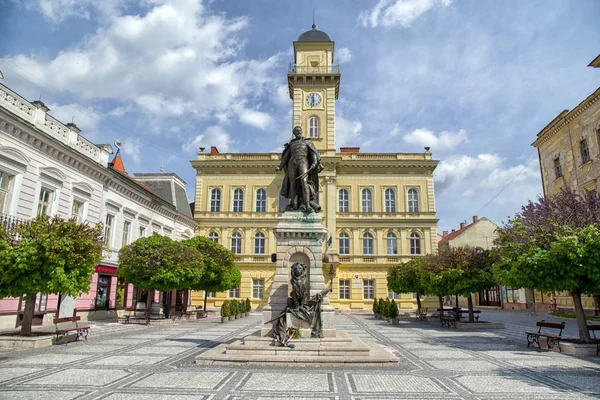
(10, 223)
(321, 69)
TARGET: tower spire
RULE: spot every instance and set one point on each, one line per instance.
(313, 25)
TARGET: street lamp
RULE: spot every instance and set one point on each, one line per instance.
(331, 275)
(333, 261)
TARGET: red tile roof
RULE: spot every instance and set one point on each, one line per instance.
(117, 163)
(456, 234)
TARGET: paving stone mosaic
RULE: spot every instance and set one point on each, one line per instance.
(143, 362)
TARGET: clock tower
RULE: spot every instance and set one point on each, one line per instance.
(314, 85)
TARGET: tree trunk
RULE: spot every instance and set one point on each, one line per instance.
(597, 304)
(441, 300)
(185, 301)
(456, 309)
(584, 334)
(28, 314)
(205, 297)
(470, 305)
(418, 303)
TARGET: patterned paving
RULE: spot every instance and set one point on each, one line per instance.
(138, 362)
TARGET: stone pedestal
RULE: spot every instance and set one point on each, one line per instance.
(299, 238)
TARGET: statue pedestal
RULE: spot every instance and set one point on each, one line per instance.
(299, 239)
(300, 324)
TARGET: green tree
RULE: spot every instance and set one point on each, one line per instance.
(248, 305)
(220, 272)
(160, 263)
(50, 256)
(408, 278)
(375, 306)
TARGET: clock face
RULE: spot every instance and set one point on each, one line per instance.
(313, 99)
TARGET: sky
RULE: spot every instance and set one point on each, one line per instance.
(475, 80)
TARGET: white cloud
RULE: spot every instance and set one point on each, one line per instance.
(212, 136)
(457, 169)
(59, 10)
(255, 118)
(348, 133)
(132, 147)
(444, 141)
(85, 119)
(499, 177)
(282, 96)
(392, 13)
(344, 55)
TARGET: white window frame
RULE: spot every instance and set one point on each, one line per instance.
(366, 238)
(344, 289)
(141, 231)
(126, 235)
(343, 200)
(8, 191)
(412, 203)
(16, 169)
(391, 238)
(237, 203)
(314, 127)
(368, 289)
(258, 288)
(215, 200)
(344, 243)
(389, 200)
(237, 247)
(415, 244)
(212, 235)
(109, 229)
(366, 204)
(261, 203)
(49, 204)
(234, 293)
(393, 295)
(259, 243)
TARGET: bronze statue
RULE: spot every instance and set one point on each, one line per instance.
(302, 163)
(300, 305)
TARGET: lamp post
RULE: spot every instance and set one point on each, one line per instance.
(331, 275)
(333, 261)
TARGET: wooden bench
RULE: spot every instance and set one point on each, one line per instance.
(552, 340)
(592, 330)
(465, 314)
(65, 325)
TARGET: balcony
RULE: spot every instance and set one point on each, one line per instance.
(294, 69)
(10, 222)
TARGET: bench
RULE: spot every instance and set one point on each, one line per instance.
(552, 340)
(465, 314)
(449, 319)
(592, 330)
(65, 325)
(421, 314)
(131, 314)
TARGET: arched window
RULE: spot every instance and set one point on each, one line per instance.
(215, 200)
(415, 243)
(413, 200)
(259, 243)
(313, 127)
(367, 200)
(391, 243)
(344, 243)
(238, 200)
(261, 200)
(367, 243)
(343, 201)
(214, 236)
(390, 200)
(236, 243)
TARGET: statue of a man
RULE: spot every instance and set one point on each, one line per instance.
(302, 163)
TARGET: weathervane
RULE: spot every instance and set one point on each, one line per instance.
(118, 144)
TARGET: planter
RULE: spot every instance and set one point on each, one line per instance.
(237, 316)
(247, 314)
(231, 317)
(224, 319)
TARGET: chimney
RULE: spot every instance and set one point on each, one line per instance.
(214, 150)
(475, 219)
(453, 230)
(445, 233)
(350, 149)
(40, 104)
(462, 225)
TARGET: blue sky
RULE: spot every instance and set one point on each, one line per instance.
(474, 80)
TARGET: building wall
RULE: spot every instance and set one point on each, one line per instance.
(481, 234)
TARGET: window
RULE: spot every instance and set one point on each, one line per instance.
(585, 151)
(313, 127)
(367, 243)
(141, 231)
(415, 243)
(344, 243)
(126, 230)
(369, 289)
(413, 200)
(367, 200)
(343, 201)
(344, 289)
(215, 200)
(102, 291)
(557, 168)
(258, 288)
(236, 243)
(234, 293)
(108, 228)
(121, 295)
(261, 200)
(392, 295)
(391, 243)
(5, 186)
(45, 203)
(210, 294)
(77, 210)
(259, 243)
(40, 302)
(238, 200)
(390, 200)
(214, 236)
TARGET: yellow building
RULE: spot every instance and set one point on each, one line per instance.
(569, 153)
(378, 208)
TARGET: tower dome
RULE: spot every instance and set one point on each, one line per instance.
(314, 35)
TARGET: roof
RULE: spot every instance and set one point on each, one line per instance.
(456, 234)
(314, 35)
(167, 187)
(595, 62)
(117, 163)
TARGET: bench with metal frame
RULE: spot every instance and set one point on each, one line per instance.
(551, 339)
(592, 330)
(65, 325)
(421, 314)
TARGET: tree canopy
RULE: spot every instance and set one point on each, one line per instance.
(48, 255)
(220, 271)
(158, 262)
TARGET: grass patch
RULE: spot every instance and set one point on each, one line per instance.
(572, 315)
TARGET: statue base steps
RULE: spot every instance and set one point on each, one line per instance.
(341, 350)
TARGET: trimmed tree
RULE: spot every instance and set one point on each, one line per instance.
(554, 245)
(407, 278)
(220, 272)
(50, 256)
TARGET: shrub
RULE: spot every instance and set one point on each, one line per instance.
(248, 305)
(242, 307)
(233, 307)
(375, 307)
(386, 308)
(381, 307)
(225, 312)
(393, 310)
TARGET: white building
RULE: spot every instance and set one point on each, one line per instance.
(47, 167)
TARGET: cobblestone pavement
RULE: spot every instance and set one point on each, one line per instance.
(139, 362)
